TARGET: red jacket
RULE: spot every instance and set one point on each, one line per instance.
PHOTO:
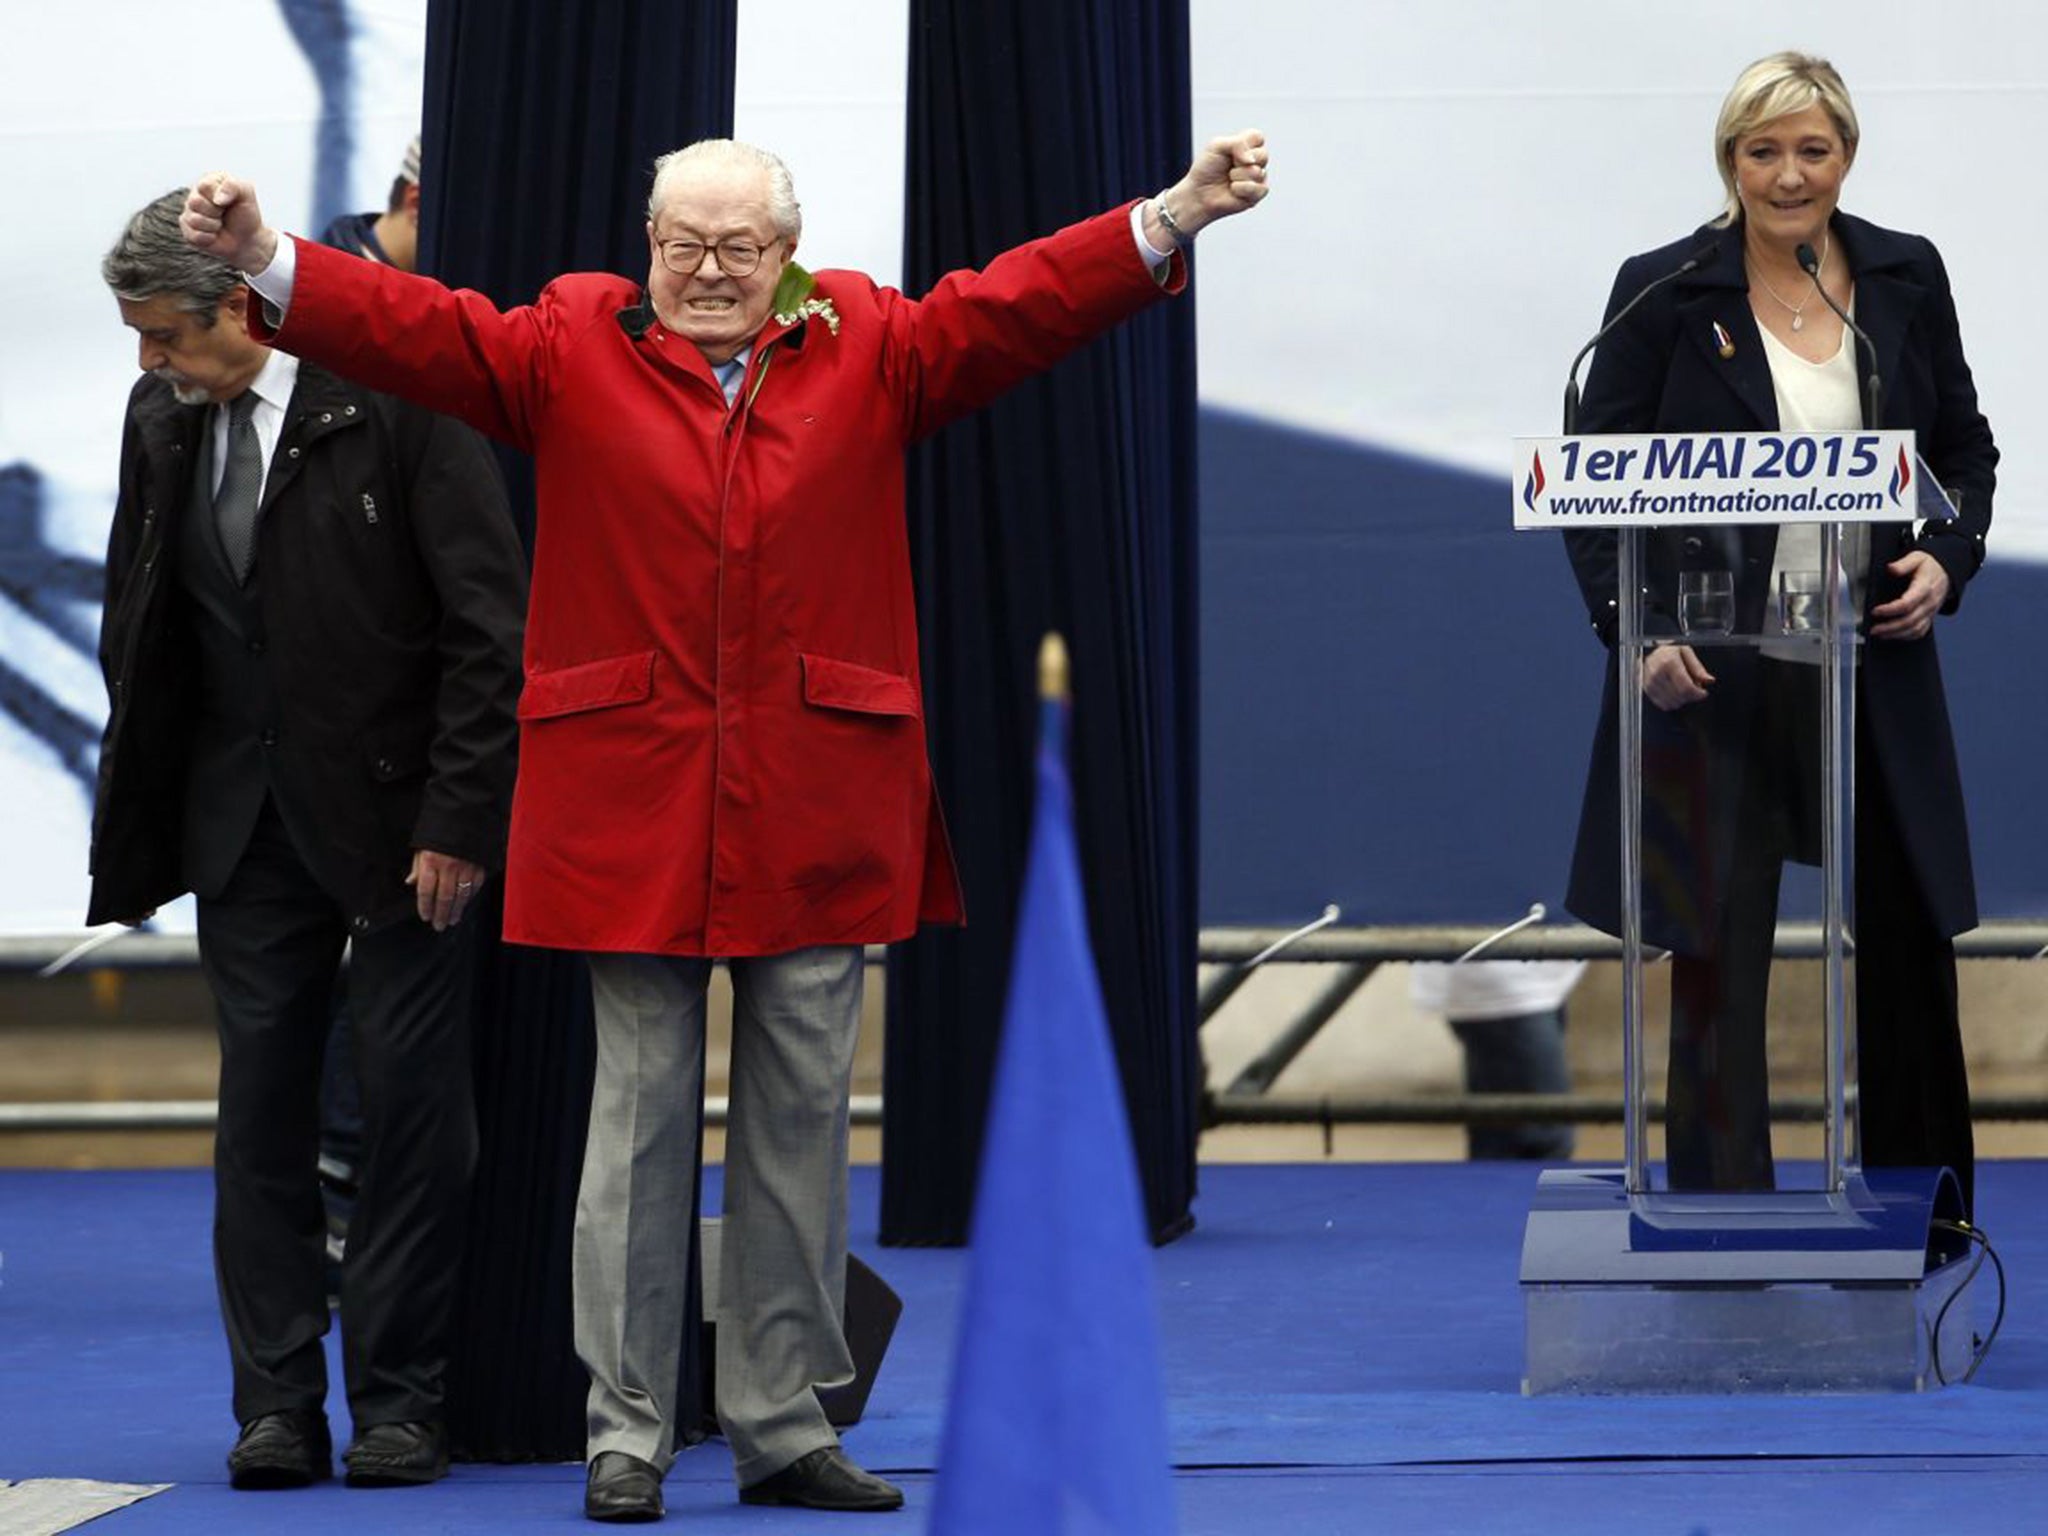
(722, 746)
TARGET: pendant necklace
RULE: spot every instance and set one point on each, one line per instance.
(1799, 310)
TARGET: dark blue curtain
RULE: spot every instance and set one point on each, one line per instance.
(540, 127)
(1069, 505)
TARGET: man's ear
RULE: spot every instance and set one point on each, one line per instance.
(234, 307)
(410, 204)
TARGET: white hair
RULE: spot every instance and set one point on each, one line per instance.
(783, 207)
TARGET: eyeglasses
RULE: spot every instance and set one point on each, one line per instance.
(737, 257)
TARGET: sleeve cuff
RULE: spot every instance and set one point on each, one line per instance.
(273, 284)
(1153, 256)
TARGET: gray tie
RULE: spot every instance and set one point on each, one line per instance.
(241, 479)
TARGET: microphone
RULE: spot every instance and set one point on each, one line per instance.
(1872, 387)
(1692, 263)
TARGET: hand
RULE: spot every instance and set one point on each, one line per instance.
(222, 218)
(444, 886)
(1227, 177)
(1674, 676)
(1910, 615)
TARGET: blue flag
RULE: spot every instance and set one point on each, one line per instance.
(1057, 1419)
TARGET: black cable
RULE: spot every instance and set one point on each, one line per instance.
(1966, 1230)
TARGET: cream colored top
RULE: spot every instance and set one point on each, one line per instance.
(1814, 397)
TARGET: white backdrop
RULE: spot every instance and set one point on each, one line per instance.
(1457, 183)
(1454, 187)
(103, 107)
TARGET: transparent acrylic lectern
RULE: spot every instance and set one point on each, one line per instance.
(1741, 1246)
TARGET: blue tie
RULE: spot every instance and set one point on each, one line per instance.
(730, 374)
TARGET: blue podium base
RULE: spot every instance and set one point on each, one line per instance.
(1772, 1291)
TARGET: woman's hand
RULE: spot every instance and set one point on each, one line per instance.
(1674, 676)
(1910, 615)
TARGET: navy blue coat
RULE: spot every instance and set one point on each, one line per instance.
(1661, 370)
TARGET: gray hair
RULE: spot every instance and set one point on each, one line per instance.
(783, 207)
(1772, 88)
(152, 258)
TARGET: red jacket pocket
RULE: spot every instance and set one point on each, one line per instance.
(588, 685)
(847, 685)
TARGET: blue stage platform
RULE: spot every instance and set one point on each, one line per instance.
(1343, 1350)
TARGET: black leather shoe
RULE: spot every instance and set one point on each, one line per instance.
(623, 1490)
(397, 1455)
(824, 1479)
(282, 1450)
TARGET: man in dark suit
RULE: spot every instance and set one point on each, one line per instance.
(392, 237)
(311, 645)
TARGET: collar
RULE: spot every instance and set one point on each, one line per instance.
(372, 246)
(1866, 247)
(1870, 248)
(787, 324)
(280, 376)
(636, 320)
(1888, 295)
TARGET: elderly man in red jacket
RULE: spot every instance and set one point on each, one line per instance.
(722, 752)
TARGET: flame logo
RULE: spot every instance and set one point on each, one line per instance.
(1533, 486)
(1902, 477)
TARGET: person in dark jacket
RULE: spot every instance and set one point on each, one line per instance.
(1745, 343)
(311, 645)
(393, 236)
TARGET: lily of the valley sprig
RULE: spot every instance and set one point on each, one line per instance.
(794, 304)
(820, 309)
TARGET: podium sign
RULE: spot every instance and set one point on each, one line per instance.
(1715, 477)
(1739, 564)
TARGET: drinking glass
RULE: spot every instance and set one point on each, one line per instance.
(1801, 604)
(1706, 602)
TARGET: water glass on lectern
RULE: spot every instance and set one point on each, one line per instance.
(1706, 602)
(1799, 602)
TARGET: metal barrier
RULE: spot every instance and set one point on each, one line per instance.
(1236, 952)
(1358, 952)
(201, 1114)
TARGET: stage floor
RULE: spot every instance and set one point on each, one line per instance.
(1342, 1347)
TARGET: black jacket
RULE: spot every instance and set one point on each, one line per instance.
(392, 588)
(1662, 370)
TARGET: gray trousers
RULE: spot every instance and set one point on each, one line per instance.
(782, 1273)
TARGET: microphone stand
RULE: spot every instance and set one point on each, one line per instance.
(1692, 263)
(1837, 722)
(1628, 655)
(1873, 387)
